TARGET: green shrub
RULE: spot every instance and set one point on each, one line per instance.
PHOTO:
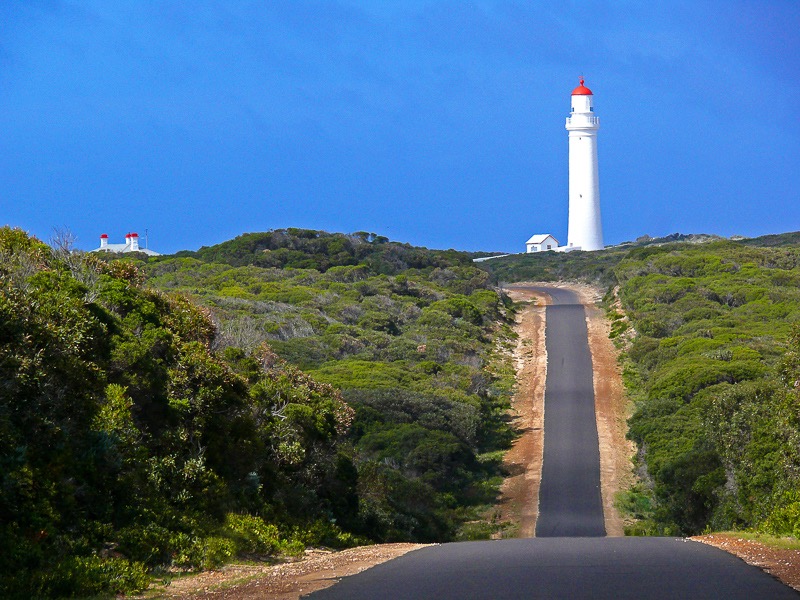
(151, 544)
(636, 502)
(785, 517)
(326, 533)
(215, 552)
(253, 534)
(92, 576)
(460, 307)
(645, 527)
(475, 531)
(203, 552)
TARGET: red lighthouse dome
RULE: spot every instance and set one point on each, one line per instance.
(582, 90)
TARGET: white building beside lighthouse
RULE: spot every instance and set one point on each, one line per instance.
(131, 245)
(585, 228)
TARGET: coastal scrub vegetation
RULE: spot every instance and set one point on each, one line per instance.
(297, 388)
(409, 337)
(168, 415)
(710, 334)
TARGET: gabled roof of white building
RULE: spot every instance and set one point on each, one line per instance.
(124, 248)
(539, 238)
(131, 245)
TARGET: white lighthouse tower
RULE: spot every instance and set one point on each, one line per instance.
(585, 229)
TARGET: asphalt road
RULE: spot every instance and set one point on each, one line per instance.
(570, 504)
(574, 568)
(558, 563)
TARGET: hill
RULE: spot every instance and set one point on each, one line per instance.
(113, 380)
(699, 318)
(319, 250)
(128, 445)
(406, 333)
(180, 377)
(710, 333)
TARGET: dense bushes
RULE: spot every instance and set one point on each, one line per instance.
(140, 431)
(307, 249)
(393, 429)
(126, 444)
(713, 421)
(404, 332)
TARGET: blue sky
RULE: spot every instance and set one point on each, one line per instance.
(438, 123)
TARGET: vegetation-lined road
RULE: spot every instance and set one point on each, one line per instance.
(394, 426)
(569, 495)
(567, 560)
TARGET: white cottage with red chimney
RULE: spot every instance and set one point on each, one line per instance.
(131, 245)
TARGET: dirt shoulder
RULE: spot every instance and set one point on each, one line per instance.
(317, 570)
(519, 494)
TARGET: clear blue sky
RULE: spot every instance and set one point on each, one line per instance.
(439, 123)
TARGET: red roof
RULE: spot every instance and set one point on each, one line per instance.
(134, 234)
(104, 236)
(582, 90)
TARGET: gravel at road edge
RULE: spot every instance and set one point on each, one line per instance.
(316, 570)
(781, 563)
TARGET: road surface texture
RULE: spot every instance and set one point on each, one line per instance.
(569, 558)
(574, 568)
(570, 504)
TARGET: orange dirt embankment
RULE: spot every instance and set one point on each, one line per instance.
(519, 500)
(519, 495)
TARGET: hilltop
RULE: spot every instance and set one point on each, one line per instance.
(597, 266)
(294, 248)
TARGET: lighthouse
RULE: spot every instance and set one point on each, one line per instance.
(585, 229)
